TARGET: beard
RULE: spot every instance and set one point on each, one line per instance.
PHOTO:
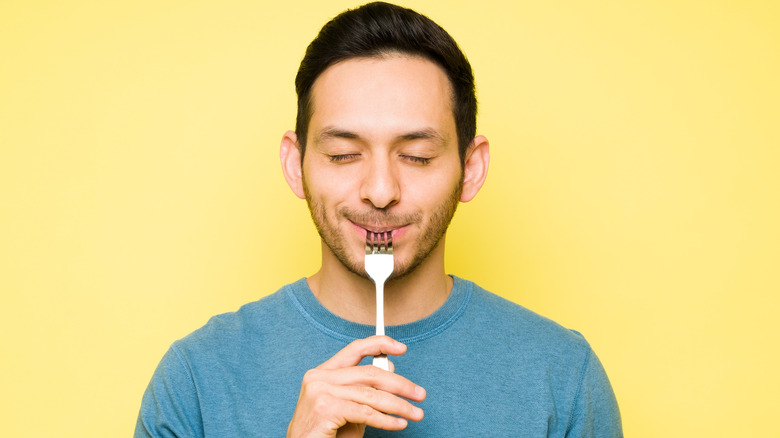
(430, 233)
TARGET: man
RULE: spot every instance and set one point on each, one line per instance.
(384, 142)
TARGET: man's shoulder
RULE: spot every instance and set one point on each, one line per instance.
(253, 320)
(496, 314)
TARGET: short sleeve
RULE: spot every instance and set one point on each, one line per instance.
(170, 406)
(595, 413)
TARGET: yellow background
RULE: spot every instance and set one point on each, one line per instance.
(633, 193)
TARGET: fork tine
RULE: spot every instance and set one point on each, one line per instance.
(379, 243)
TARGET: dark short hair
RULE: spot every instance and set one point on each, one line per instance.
(379, 28)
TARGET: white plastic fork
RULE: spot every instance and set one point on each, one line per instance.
(379, 266)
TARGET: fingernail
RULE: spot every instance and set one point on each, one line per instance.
(419, 391)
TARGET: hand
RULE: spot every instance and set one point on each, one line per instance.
(339, 398)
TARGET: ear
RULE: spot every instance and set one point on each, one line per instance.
(290, 155)
(475, 168)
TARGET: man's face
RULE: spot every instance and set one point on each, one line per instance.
(382, 155)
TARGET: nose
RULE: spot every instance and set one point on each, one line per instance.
(380, 186)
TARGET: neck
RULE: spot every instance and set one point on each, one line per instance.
(407, 299)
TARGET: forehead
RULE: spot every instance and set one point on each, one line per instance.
(388, 93)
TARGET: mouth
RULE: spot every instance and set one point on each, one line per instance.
(395, 230)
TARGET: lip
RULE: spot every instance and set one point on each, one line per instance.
(395, 232)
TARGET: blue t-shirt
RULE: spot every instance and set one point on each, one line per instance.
(490, 368)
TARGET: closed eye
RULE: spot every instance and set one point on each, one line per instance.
(343, 157)
(418, 160)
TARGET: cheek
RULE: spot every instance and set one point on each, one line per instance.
(327, 188)
(432, 188)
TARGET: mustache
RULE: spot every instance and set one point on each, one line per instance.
(379, 217)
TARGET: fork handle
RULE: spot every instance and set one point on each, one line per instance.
(380, 360)
(380, 308)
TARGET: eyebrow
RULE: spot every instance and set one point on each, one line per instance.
(331, 133)
(422, 134)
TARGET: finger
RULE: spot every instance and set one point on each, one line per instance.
(330, 413)
(353, 353)
(367, 375)
(378, 400)
(363, 414)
